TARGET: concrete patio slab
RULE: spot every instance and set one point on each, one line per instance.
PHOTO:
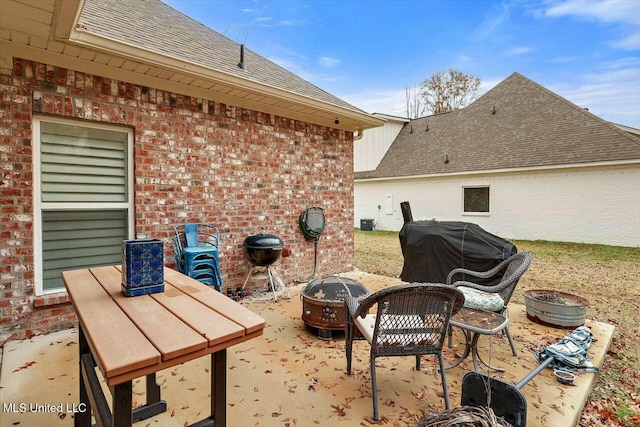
(289, 377)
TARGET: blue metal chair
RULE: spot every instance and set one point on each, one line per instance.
(196, 252)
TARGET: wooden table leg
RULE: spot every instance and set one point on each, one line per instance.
(218, 416)
(83, 418)
(154, 405)
(122, 400)
(219, 387)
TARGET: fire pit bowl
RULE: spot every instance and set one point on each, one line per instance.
(555, 308)
(323, 303)
(263, 249)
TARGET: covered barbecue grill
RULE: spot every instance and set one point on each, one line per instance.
(431, 249)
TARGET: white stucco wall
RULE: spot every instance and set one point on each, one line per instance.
(588, 205)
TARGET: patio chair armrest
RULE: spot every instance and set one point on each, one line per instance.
(490, 273)
(481, 274)
(355, 307)
(485, 288)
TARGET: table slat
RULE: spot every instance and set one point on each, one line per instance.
(117, 344)
(213, 326)
(169, 334)
(215, 300)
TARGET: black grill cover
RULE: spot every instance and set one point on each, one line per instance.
(431, 249)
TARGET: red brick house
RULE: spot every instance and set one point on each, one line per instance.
(121, 119)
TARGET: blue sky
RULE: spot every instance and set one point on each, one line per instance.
(367, 51)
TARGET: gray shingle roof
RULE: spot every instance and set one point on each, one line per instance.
(531, 127)
(154, 26)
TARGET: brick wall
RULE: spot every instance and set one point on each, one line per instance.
(195, 161)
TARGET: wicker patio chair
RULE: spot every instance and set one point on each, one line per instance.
(492, 297)
(410, 320)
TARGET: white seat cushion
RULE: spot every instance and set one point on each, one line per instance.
(474, 298)
(367, 324)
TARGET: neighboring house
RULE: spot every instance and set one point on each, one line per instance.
(521, 162)
(121, 119)
(374, 143)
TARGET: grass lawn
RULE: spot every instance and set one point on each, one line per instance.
(607, 276)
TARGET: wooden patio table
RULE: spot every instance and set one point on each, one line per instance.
(131, 337)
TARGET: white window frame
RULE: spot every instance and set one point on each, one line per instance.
(464, 213)
(39, 205)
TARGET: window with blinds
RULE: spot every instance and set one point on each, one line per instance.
(84, 207)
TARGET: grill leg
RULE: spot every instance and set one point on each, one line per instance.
(271, 284)
(248, 276)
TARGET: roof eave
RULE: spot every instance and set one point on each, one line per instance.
(331, 115)
(614, 163)
(66, 16)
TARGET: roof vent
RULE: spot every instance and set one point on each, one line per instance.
(494, 110)
(241, 63)
(427, 130)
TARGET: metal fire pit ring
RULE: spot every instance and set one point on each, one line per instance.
(323, 303)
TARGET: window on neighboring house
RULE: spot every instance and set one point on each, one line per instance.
(83, 202)
(476, 199)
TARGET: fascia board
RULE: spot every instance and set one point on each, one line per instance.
(592, 165)
(361, 120)
(66, 14)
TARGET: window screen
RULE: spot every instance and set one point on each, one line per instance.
(80, 239)
(80, 164)
(84, 198)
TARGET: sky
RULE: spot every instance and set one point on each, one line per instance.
(367, 52)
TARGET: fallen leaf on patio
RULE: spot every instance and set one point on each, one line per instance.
(557, 408)
(191, 388)
(255, 389)
(276, 414)
(420, 395)
(338, 410)
(62, 415)
(268, 371)
(173, 413)
(25, 366)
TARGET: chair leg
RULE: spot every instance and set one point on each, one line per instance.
(348, 336)
(418, 359)
(511, 343)
(443, 376)
(374, 389)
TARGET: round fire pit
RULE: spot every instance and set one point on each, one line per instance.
(555, 308)
(323, 303)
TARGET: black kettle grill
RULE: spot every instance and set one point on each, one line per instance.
(263, 250)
